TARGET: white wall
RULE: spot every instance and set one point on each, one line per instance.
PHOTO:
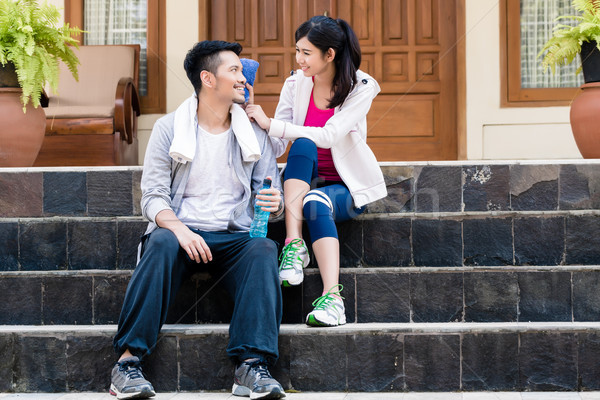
(505, 133)
(182, 33)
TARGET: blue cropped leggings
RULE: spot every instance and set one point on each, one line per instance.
(329, 202)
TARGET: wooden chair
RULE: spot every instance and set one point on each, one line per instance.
(94, 121)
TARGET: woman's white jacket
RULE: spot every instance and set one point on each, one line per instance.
(345, 133)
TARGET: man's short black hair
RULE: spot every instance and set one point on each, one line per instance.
(204, 56)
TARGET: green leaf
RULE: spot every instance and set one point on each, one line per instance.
(34, 41)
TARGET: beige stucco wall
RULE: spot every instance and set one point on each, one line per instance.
(182, 33)
(505, 133)
(492, 132)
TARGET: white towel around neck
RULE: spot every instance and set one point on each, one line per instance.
(183, 147)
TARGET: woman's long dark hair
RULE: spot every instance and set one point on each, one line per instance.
(325, 33)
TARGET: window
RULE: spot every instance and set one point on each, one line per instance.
(128, 22)
(526, 26)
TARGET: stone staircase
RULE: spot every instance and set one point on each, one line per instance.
(469, 276)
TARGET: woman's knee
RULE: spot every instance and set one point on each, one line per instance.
(303, 147)
(316, 203)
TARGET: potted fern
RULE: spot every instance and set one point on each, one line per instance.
(568, 41)
(32, 42)
(562, 48)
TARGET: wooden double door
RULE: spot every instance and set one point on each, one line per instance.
(408, 46)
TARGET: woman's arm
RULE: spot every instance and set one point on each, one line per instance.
(256, 113)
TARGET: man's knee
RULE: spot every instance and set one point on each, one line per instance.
(262, 247)
(162, 240)
(163, 237)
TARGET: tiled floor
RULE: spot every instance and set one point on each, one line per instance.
(326, 396)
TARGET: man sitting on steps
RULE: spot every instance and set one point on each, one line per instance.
(204, 162)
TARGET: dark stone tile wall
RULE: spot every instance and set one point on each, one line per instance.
(438, 189)
(539, 241)
(79, 243)
(586, 296)
(88, 374)
(9, 251)
(7, 362)
(534, 187)
(486, 188)
(432, 362)
(587, 355)
(488, 241)
(340, 361)
(411, 188)
(21, 300)
(67, 300)
(545, 296)
(375, 365)
(21, 194)
(400, 186)
(43, 245)
(70, 193)
(110, 194)
(437, 243)
(49, 244)
(383, 297)
(583, 239)
(579, 187)
(548, 361)
(436, 297)
(488, 362)
(387, 242)
(40, 364)
(374, 296)
(491, 296)
(92, 244)
(65, 193)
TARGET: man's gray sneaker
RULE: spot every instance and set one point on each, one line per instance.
(252, 379)
(127, 381)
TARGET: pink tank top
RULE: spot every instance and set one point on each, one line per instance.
(316, 117)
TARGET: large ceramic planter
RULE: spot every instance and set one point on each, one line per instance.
(21, 134)
(585, 120)
(585, 108)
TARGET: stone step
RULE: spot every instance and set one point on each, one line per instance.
(421, 187)
(375, 240)
(372, 357)
(409, 295)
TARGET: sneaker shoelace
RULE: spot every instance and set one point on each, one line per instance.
(132, 370)
(289, 254)
(322, 302)
(261, 369)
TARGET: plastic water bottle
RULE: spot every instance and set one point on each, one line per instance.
(261, 218)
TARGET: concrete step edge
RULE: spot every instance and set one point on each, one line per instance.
(302, 329)
(343, 270)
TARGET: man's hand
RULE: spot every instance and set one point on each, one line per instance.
(255, 112)
(269, 199)
(192, 243)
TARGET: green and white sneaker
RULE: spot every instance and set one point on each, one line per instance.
(293, 259)
(329, 309)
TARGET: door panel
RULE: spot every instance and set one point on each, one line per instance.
(407, 45)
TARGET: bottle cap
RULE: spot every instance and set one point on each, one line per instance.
(267, 182)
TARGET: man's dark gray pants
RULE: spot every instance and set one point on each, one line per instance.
(249, 271)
